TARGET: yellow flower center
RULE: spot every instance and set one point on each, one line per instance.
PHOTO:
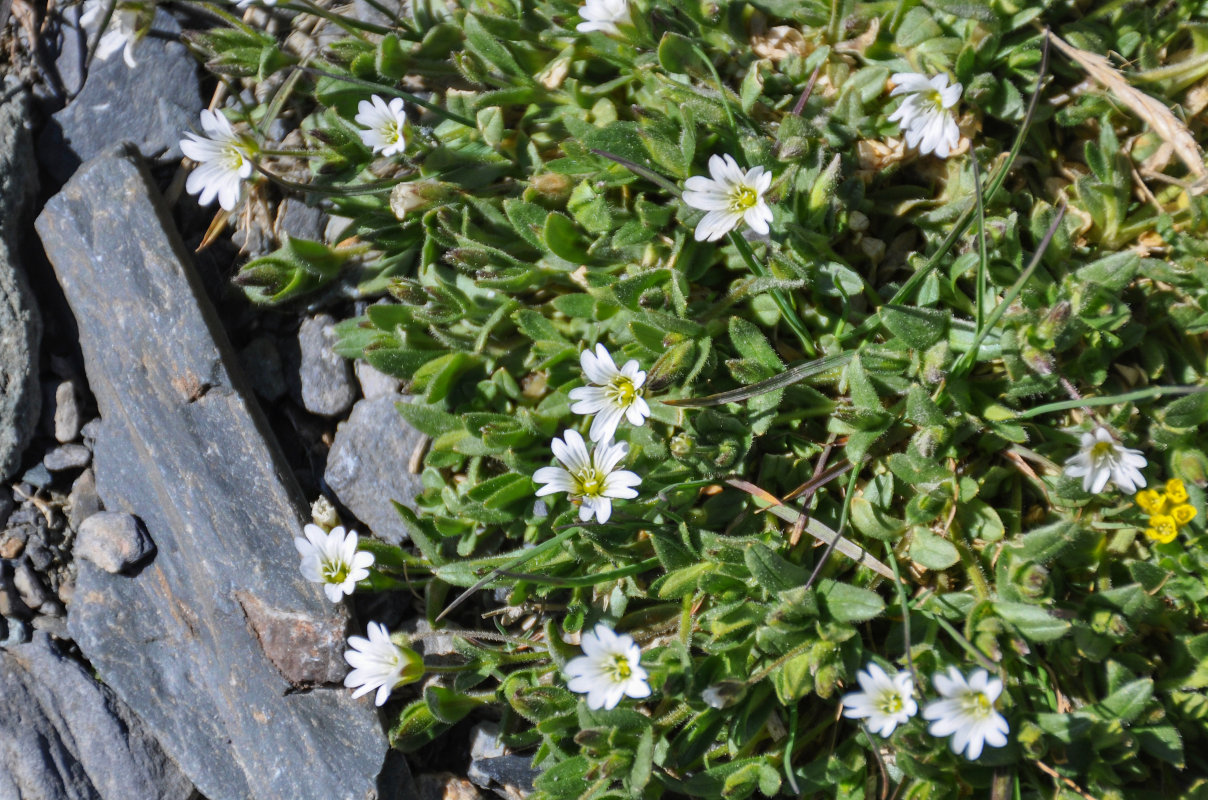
(335, 573)
(742, 198)
(934, 98)
(891, 702)
(589, 482)
(977, 704)
(621, 671)
(621, 391)
(1102, 450)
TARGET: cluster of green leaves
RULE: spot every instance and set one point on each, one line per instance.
(953, 309)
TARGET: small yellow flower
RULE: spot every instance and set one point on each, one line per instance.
(1175, 491)
(1151, 501)
(1162, 528)
(1183, 514)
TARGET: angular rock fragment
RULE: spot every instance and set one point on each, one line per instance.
(183, 446)
(367, 466)
(326, 378)
(169, 103)
(67, 737)
(20, 323)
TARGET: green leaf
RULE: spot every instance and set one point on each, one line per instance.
(416, 727)
(1187, 412)
(428, 419)
(919, 328)
(751, 343)
(425, 537)
(502, 490)
(1126, 703)
(870, 520)
(771, 570)
(391, 60)
(1043, 544)
(448, 706)
(980, 520)
(1161, 741)
(848, 603)
(1033, 622)
(676, 53)
(931, 551)
(1111, 273)
(562, 238)
(484, 45)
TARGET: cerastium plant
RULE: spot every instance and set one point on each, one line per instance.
(789, 369)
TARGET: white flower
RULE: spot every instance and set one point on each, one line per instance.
(731, 197)
(608, 670)
(223, 161)
(885, 702)
(924, 114)
(127, 25)
(591, 480)
(380, 664)
(966, 712)
(604, 16)
(331, 558)
(617, 393)
(1101, 459)
(384, 124)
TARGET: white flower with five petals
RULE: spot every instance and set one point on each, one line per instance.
(331, 558)
(384, 125)
(885, 702)
(223, 161)
(730, 197)
(608, 670)
(591, 480)
(1101, 459)
(603, 16)
(613, 395)
(966, 712)
(925, 114)
(379, 664)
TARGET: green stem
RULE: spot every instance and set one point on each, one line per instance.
(585, 580)
(419, 101)
(1111, 400)
(782, 302)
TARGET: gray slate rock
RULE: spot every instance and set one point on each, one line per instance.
(493, 767)
(20, 323)
(67, 456)
(67, 737)
(326, 378)
(368, 462)
(68, 417)
(114, 541)
(375, 383)
(184, 447)
(169, 103)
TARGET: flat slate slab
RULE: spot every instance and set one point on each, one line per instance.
(66, 737)
(218, 644)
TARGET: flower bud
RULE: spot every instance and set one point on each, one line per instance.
(411, 196)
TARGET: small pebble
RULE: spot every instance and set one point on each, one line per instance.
(67, 412)
(83, 501)
(91, 429)
(375, 383)
(67, 456)
(114, 541)
(326, 378)
(29, 586)
(38, 477)
(39, 555)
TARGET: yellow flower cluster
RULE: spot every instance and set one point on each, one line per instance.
(1168, 511)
